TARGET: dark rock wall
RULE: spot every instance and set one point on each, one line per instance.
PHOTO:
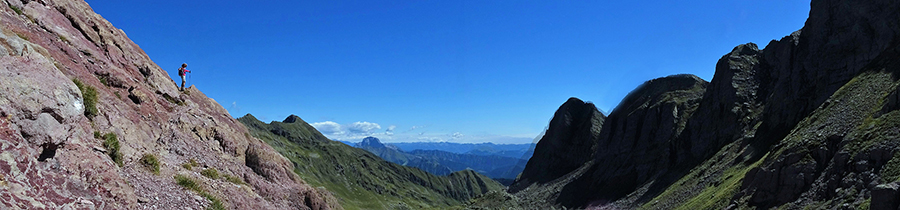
(568, 143)
(638, 140)
(817, 108)
(837, 41)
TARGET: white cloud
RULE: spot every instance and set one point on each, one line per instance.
(234, 108)
(390, 130)
(363, 127)
(328, 128)
(355, 132)
(415, 127)
(430, 139)
(456, 135)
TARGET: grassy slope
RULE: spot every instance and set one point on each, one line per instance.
(362, 180)
(726, 174)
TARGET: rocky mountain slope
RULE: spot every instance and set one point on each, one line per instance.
(88, 121)
(811, 121)
(360, 179)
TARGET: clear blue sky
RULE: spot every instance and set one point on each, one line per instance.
(464, 71)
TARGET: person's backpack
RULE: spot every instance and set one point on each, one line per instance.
(180, 71)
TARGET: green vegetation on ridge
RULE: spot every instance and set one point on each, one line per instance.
(360, 179)
(111, 143)
(191, 184)
(151, 162)
(90, 99)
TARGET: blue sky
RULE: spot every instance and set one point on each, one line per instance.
(461, 71)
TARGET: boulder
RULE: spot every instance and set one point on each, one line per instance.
(886, 196)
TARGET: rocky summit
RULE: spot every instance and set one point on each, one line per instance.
(88, 121)
(810, 121)
(371, 142)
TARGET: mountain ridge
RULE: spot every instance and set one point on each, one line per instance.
(441, 162)
(807, 122)
(361, 179)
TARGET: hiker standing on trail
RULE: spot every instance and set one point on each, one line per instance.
(181, 72)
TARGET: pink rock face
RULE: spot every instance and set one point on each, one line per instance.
(49, 157)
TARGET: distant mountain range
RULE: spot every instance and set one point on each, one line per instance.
(501, 162)
(360, 179)
(522, 151)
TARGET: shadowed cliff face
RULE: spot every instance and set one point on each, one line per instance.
(64, 145)
(808, 122)
(638, 141)
(568, 143)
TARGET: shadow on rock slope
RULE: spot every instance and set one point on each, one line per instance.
(808, 122)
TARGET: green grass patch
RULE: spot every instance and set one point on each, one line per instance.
(22, 36)
(711, 185)
(58, 66)
(151, 162)
(103, 80)
(173, 100)
(192, 185)
(216, 203)
(212, 173)
(16, 9)
(865, 205)
(111, 143)
(873, 131)
(190, 164)
(890, 172)
(234, 179)
(188, 183)
(90, 99)
(717, 196)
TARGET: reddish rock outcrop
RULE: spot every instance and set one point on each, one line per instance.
(50, 158)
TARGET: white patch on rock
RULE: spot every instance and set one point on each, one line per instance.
(79, 105)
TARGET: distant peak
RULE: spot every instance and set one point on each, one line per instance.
(248, 116)
(371, 142)
(292, 119)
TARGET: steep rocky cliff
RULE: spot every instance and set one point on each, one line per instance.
(566, 145)
(808, 122)
(87, 120)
